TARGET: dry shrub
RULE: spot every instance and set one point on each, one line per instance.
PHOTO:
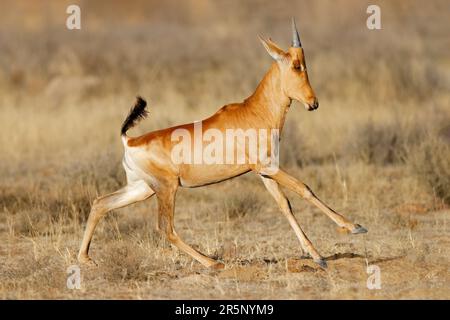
(292, 147)
(430, 163)
(240, 203)
(398, 76)
(382, 144)
(295, 151)
(125, 262)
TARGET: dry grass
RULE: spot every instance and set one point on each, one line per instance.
(430, 163)
(377, 149)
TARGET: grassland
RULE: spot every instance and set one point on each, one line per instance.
(377, 149)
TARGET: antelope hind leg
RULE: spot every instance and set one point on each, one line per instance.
(131, 193)
(166, 208)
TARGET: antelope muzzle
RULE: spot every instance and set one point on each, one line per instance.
(312, 106)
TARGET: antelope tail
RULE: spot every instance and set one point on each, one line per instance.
(136, 114)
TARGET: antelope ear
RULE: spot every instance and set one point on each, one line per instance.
(275, 52)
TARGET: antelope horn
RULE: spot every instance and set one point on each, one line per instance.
(295, 37)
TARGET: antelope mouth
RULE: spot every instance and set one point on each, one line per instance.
(312, 107)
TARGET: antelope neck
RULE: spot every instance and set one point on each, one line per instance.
(269, 100)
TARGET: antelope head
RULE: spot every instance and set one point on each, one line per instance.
(293, 75)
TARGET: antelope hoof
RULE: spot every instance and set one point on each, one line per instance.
(321, 262)
(86, 260)
(359, 229)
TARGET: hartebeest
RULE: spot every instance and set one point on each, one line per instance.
(151, 170)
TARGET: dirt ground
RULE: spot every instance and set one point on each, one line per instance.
(263, 259)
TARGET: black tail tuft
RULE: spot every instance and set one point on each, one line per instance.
(136, 114)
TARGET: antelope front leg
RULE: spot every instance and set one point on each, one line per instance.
(166, 207)
(305, 192)
(283, 203)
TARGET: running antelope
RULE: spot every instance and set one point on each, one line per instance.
(150, 168)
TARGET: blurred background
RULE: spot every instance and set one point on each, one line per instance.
(190, 57)
(378, 146)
